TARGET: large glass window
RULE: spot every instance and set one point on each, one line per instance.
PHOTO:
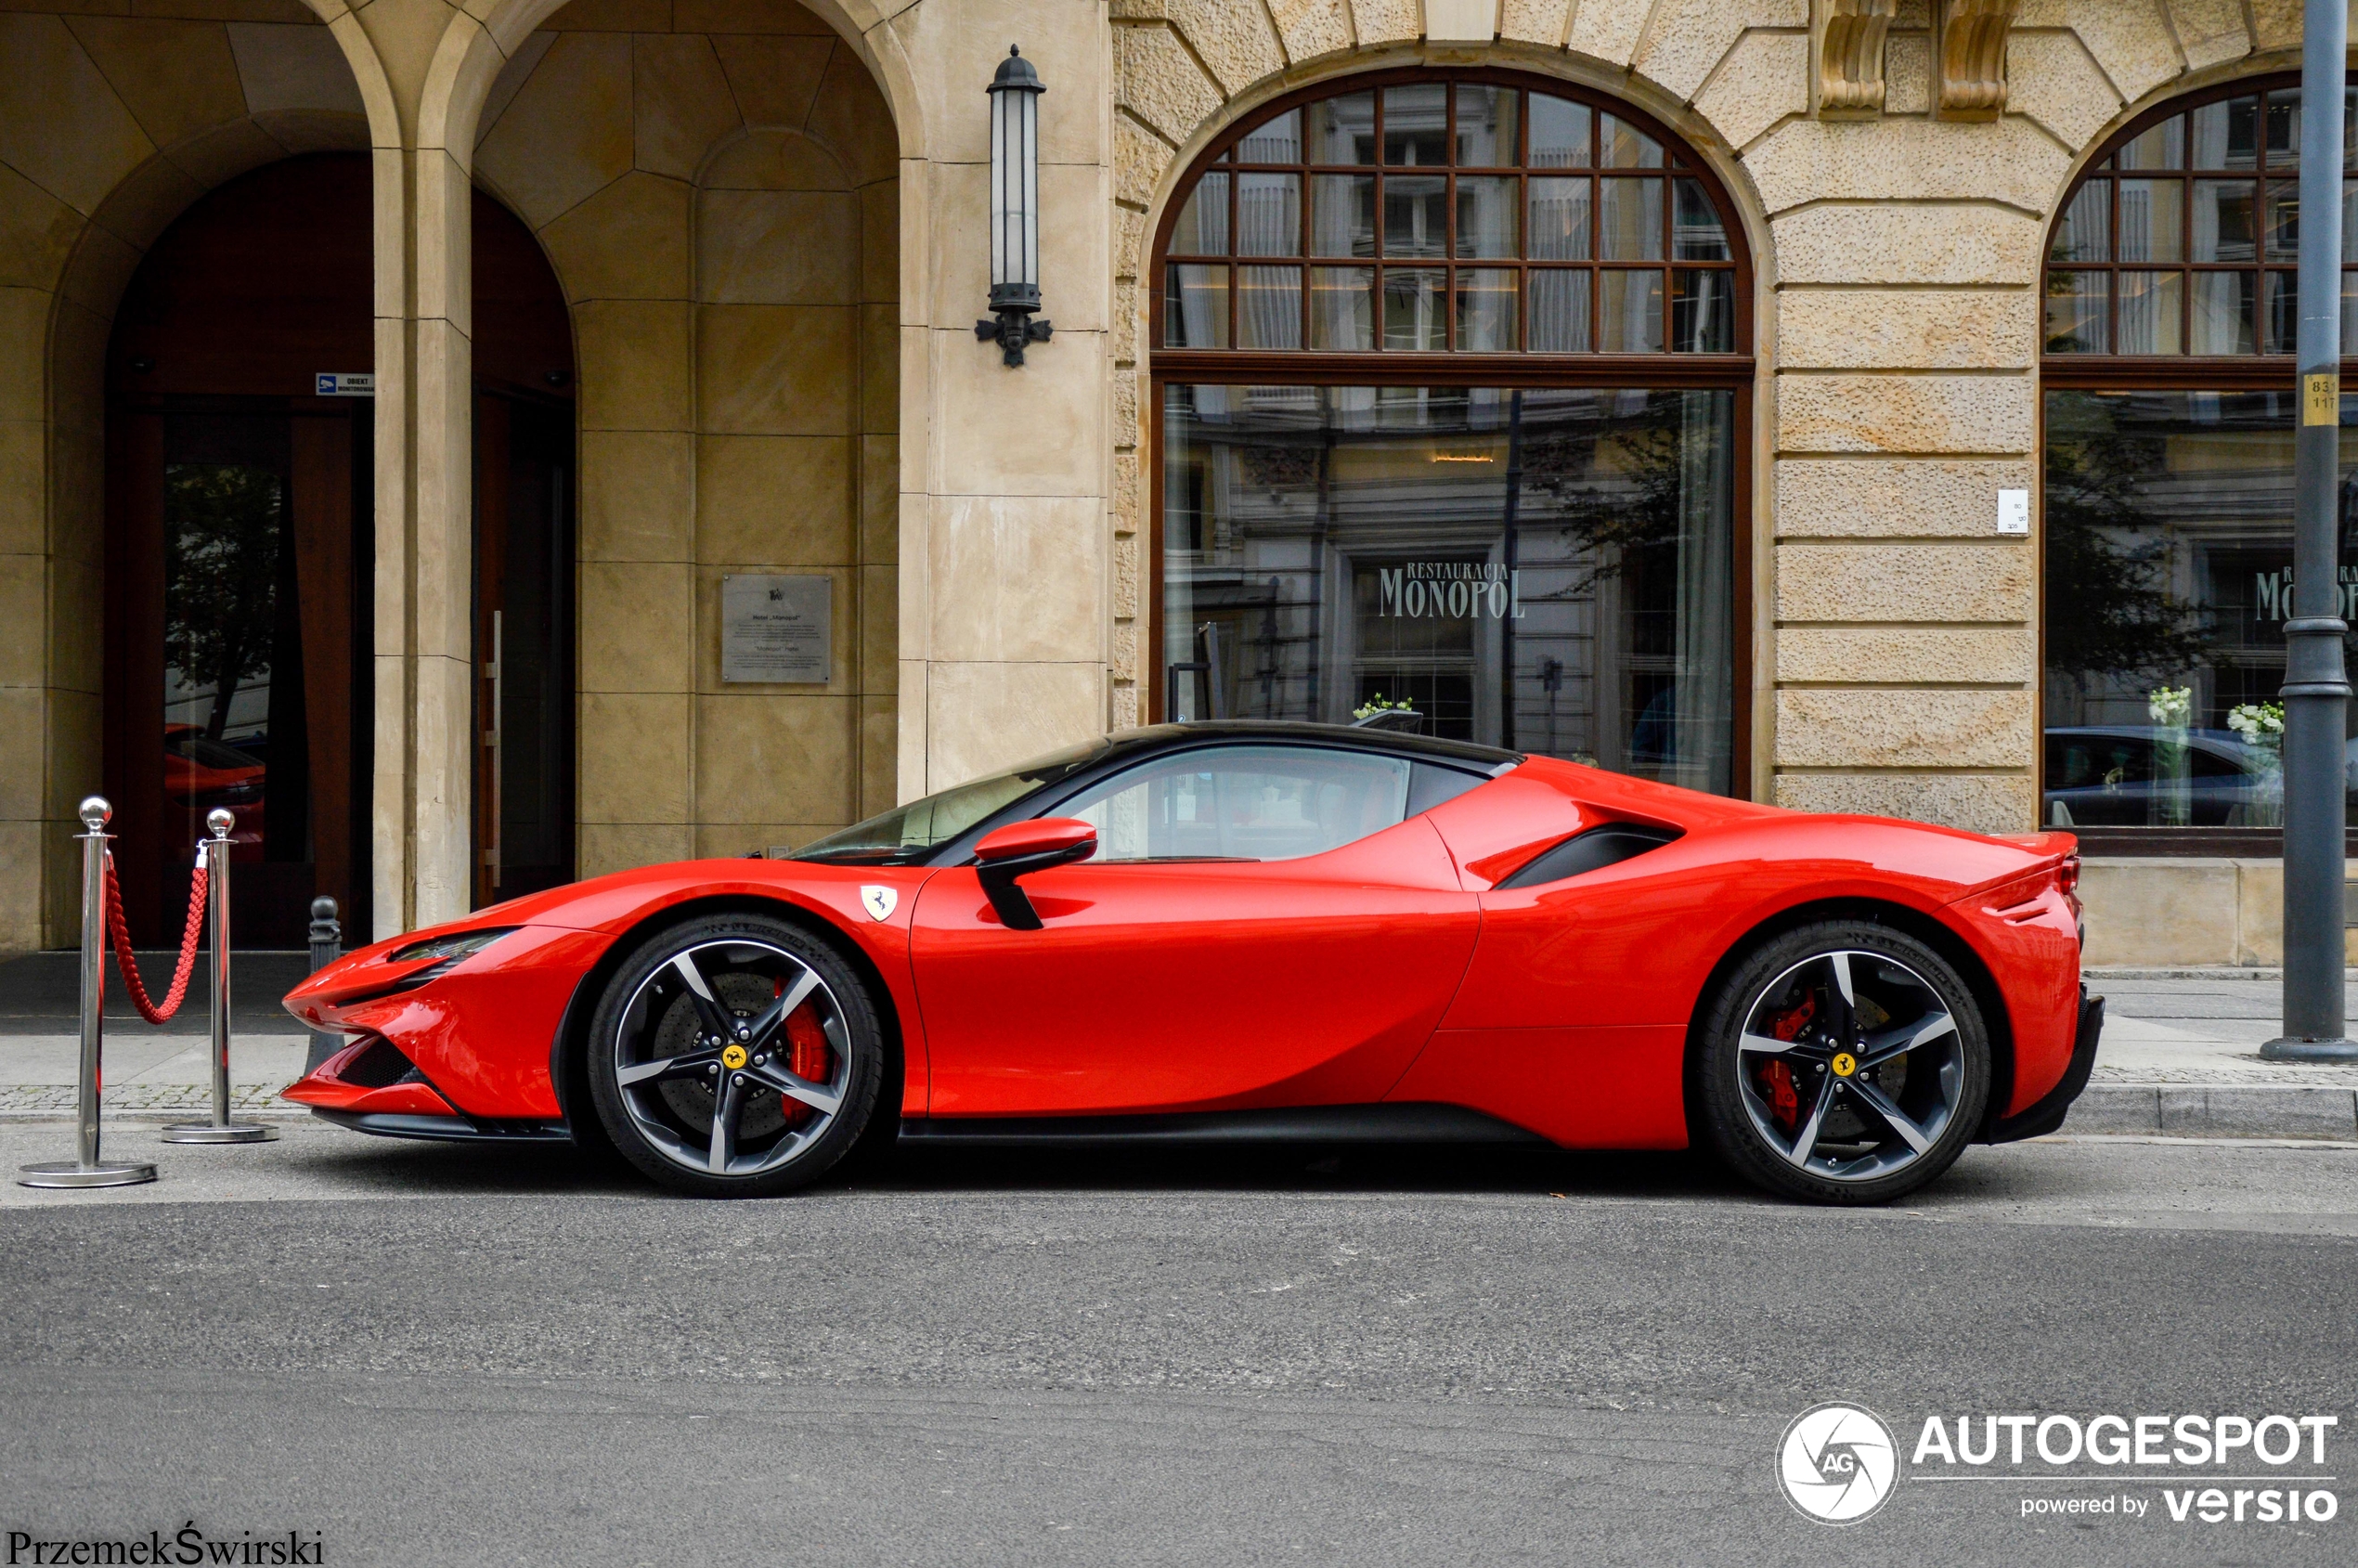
(1435, 215)
(2183, 238)
(1536, 549)
(2168, 520)
(1543, 568)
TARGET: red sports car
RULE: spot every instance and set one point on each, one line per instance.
(1262, 932)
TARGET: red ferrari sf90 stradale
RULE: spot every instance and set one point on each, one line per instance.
(1222, 931)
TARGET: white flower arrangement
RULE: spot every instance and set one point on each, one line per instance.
(2260, 723)
(2171, 706)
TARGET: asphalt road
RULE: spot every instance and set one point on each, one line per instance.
(431, 1355)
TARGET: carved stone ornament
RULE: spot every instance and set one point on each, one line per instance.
(1969, 56)
(1846, 54)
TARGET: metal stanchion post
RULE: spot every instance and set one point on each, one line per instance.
(326, 946)
(220, 1130)
(86, 1169)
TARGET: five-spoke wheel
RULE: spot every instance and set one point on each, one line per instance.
(736, 1055)
(1843, 1062)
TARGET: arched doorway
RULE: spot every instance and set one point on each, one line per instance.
(241, 568)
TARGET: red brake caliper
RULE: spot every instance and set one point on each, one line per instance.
(1781, 1097)
(807, 1052)
(810, 1046)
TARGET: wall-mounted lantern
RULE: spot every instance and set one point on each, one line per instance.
(1015, 209)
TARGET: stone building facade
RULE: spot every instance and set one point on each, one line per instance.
(767, 224)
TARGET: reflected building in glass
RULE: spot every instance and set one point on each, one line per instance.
(1547, 569)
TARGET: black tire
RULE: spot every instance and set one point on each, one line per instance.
(1833, 1005)
(653, 1026)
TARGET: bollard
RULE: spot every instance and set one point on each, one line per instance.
(326, 946)
(86, 1169)
(220, 1130)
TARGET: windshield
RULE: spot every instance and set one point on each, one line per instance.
(908, 834)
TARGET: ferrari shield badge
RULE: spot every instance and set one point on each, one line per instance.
(879, 901)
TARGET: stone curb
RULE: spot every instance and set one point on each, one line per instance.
(2096, 973)
(2193, 1110)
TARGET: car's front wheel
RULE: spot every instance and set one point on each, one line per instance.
(735, 1057)
(1843, 1062)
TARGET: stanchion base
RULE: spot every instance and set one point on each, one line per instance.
(2287, 1049)
(206, 1133)
(68, 1172)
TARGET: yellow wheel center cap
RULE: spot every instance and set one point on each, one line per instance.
(734, 1057)
(1845, 1064)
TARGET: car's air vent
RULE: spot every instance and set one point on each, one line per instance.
(1608, 843)
(379, 1065)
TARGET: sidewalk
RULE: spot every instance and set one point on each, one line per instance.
(2180, 1058)
(147, 1071)
(147, 1068)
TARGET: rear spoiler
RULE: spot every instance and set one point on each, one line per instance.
(2045, 844)
(2053, 850)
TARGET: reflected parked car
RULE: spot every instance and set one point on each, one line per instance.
(200, 773)
(2114, 776)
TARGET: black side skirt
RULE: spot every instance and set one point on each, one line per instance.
(2049, 1113)
(1313, 1124)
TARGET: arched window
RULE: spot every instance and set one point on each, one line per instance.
(2169, 411)
(1451, 373)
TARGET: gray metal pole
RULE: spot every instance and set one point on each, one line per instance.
(2316, 693)
(218, 895)
(95, 813)
(326, 946)
(86, 1169)
(220, 1130)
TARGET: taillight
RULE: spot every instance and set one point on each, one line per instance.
(2067, 875)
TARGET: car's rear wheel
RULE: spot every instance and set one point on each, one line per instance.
(1843, 1062)
(735, 1057)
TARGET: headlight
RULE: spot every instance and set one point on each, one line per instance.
(450, 949)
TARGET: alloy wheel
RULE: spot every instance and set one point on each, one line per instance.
(732, 1058)
(1850, 1066)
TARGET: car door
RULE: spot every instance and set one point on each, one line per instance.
(1262, 925)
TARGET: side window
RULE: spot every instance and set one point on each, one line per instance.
(1243, 803)
(2211, 765)
(2125, 761)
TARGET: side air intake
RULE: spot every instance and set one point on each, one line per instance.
(1608, 843)
(379, 1065)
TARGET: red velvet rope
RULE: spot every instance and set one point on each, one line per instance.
(130, 968)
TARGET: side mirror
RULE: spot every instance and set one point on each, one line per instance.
(1019, 849)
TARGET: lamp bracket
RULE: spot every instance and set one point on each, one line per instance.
(1011, 330)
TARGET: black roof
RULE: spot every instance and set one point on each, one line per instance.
(1394, 743)
(1061, 776)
